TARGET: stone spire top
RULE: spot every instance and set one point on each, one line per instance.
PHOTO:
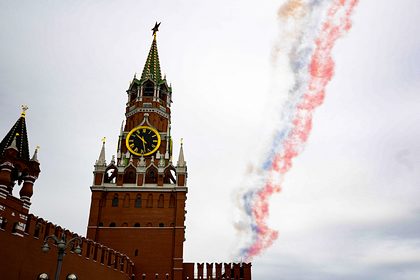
(101, 160)
(35, 156)
(13, 145)
(181, 162)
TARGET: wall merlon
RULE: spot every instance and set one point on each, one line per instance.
(219, 271)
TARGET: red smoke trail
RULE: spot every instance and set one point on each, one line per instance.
(321, 70)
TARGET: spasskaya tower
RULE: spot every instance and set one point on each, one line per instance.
(138, 199)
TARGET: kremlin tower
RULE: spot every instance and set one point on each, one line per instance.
(138, 199)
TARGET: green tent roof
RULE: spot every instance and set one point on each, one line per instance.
(152, 66)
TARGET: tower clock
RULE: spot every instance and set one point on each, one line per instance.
(143, 140)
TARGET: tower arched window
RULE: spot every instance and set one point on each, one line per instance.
(130, 175)
(170, 176)
(136, 253)
(148, 89)
(115, 201)
(133, 93)
(162, 94)
(151, 176)
(150, 200)
(137, 225)
(138, 202)
(111, 174)
(112, 224)
(101, 224)
(161, 225)
(126, 200)
(160, 201)
(172, 201)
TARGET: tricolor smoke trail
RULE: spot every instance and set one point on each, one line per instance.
(309, 31)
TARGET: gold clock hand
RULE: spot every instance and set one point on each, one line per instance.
(141, 138)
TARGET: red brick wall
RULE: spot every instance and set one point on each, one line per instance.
(22, 257)
(159, 249)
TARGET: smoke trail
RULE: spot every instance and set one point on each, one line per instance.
(309, 31)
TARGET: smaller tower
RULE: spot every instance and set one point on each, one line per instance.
(17, 168)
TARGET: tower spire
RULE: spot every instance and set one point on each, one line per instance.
(152, 66)
(17, 136)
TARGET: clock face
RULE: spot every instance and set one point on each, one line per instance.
(143, 140)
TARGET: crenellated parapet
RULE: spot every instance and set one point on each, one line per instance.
(94, 260)
(93, 251)
(199, 271)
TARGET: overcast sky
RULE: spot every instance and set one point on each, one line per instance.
(349, 207)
